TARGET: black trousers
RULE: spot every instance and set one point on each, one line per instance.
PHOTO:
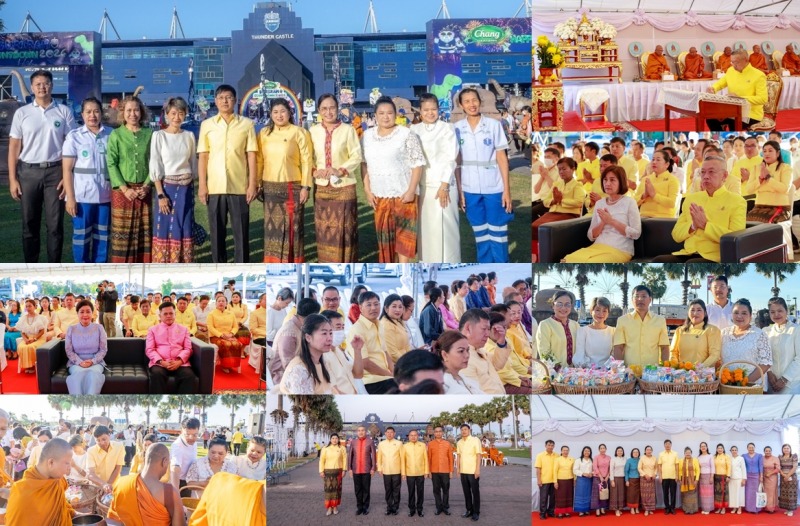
(472, 492)
(671, 258)
(547, 499)
(441, 490)
(130, 452)
(361, 484)
(416, 492)
(236, 448)
(184, 377)
(381, 387)
(721, 124)
(391, 485)
(670, 489)
(219, 207)
(40, 193)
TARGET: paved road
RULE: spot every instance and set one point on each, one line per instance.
(505, 499)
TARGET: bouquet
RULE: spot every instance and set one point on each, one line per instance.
(607, 31)
(736, 376)
(548, 53)
(567, 30)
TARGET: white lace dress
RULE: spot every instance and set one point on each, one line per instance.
(201, 471)
(390, 160)
(752, 346)
(297, 380)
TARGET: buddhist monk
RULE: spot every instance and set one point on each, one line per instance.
(656, 64)
(5, 479)
(758, 60)
(142, 499)
(231, 500)
(791, 61)
(39, 498)
(725, 59)
(695, 65)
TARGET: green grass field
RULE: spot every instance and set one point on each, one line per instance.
(517, 453)
(519, 231)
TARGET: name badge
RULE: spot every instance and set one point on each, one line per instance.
(487, 141)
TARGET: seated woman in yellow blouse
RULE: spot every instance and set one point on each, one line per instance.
(771, 186)
(222, 328)
(657, 192)
(697, 341)
(564, 200)
(284, 162)
(394, 335)
(557, 335)
(239, 311)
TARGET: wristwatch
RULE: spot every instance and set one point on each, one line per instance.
(161, 196)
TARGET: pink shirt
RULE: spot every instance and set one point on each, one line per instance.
(450, 321)
(601, 465)
(168, 342)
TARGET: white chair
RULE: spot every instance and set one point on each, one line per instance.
(787, 227)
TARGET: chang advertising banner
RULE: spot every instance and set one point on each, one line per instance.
(449, 39)
(49, 49)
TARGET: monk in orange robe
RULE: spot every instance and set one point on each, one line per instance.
(791, 61)
(39, 498)
(695, 65)
(142, 499)
(656, 64)
(758, 60)
(725, 59)
(231, 500)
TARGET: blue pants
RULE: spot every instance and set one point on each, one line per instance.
(489, 221)
(90, 233)
(87, 380)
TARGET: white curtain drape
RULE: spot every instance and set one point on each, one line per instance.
(546, 22)
(649, 425)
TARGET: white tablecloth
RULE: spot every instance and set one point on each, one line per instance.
(690, 100)
(638, 101)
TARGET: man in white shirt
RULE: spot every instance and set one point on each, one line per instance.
(720, 310)
(35, 143)
(183, 452)
(201, 312)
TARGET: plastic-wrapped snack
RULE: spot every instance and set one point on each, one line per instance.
(74, 494)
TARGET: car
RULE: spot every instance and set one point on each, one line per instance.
(338, 271)
(161, 437)
(384, 269)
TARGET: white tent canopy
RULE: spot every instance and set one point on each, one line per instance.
(620, 408)
(76, 272)
(720, 7)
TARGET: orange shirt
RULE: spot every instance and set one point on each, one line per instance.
(440, 456)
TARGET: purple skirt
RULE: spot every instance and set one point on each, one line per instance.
(706, 491)
(750, 490)
(598, 504)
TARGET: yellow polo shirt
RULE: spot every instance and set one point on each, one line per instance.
(62, 319)
(669, 465)
(104, 462)
(258, 323)
(373, 349)
(775, 190)
(749, 84)
(725, 213)
(227, 144)
(641, 165)
(390, 457)
(592, 166)
(187, 319)
(642, 338)
(664, 202)
(697, 345)
(547, 463)
(333, 457)
(141, 324)
(752, 164)
(483, 369)
(552, 339)
(415, 460)
(394, 338)
(631, 168)
(513, 368)
(572, 200)
(469, 455)
(597, 187)
(127, 314)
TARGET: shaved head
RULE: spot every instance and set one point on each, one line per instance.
(155, 453)
(56, 459)
(156, 461)
(55, 448)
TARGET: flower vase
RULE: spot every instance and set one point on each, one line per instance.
(545, 75)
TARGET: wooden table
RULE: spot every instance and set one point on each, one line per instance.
(707, 109)
(548, 107)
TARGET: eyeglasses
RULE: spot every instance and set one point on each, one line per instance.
(563, 305)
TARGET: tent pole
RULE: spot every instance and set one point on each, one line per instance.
(596, 414)
(740, 408)
(142, 293)
(785, 409)
(545, 407)
(558, 397)
(299, 270)
(644, 399)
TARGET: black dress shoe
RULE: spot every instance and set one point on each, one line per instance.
(388, 512)
(476, 516)
(411, 513)
(437, 512)
(366, 511)
(466, 514)
(395, 512)
(446, 512)
(551, 514)
(542, 516)
(420, 513)
(359, 512)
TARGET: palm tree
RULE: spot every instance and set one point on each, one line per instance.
(60, 403)
(687, 271)
(539, 268)
(778, 272)
(233, 402)
(164, 412)
(582, 272)
(147, 402)
(623, 269)
(126, 403)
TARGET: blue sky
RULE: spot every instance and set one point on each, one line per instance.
(751, 285)
(210, 18)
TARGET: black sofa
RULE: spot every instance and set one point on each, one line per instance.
(758, 243)
(127, 371)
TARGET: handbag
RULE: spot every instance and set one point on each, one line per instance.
(603, 494)
(199, 234)
(761, 497)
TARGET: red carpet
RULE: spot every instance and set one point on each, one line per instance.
(745, 519)
(573, 122)
(787, 120)
(233, 382)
